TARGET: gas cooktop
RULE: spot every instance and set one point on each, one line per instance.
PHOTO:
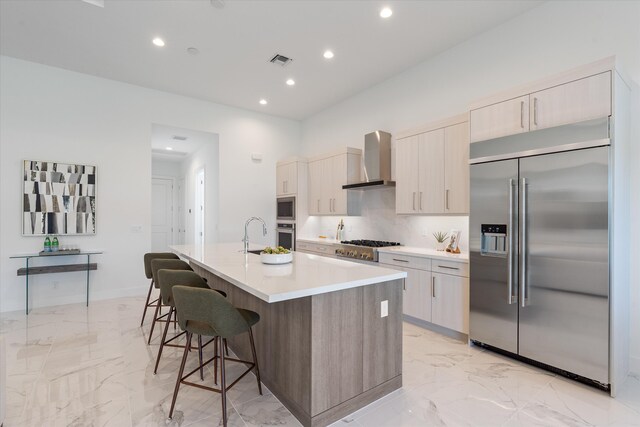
(365, 250)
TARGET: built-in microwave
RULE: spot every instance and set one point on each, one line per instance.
(286, 209)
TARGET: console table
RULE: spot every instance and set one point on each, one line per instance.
(62, 268)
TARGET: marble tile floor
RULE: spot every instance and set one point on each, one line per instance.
(77, 366)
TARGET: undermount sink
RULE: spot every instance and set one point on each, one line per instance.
(255, 251)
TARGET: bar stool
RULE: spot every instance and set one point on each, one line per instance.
(167, 279)
(163, 264)
(206, 312)
(147, 271)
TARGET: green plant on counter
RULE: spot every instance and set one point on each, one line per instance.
(275, 251)
(440, 236)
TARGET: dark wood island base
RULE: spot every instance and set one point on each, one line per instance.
(324, 356)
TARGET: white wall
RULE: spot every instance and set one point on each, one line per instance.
(54, 114)
(162, 167)
(551, 38)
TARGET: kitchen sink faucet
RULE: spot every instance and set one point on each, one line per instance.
(246, 235)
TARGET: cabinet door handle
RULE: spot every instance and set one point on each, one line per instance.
(318, 205)
(400, 260)
(446, 199)
(522, 114)
(414, 200)
(447, 267)
(421, 200)
(433, 286)
(535, 111)
(404, 284)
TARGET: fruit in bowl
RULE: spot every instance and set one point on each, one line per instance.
(275, 251)
(278, 255)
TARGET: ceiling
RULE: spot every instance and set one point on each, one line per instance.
(236, 41)
(163, 137)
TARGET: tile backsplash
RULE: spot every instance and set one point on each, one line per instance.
(378, 221)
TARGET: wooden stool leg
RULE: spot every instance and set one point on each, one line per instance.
(146, 304)
(223, 385)
(155, 316)
(215, 360)
(180, 373)
(164, 337)
(226, 348)
(255, 360)
(200, 356)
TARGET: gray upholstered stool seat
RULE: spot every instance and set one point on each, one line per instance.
(207, 313)
(167, 279)
(147, 271)
(163, 264)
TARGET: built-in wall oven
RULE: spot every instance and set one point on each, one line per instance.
(286, 235)
(286, 208)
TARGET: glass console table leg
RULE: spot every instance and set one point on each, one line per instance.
(27, 287)
(88, 256)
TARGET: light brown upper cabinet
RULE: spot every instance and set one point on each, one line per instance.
(456, 168)
(579, 100)
(286, 178)
(501, 119)
(327, 175)
(432, 171)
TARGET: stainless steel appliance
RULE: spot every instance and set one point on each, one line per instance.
(365, 250)
(377, 162)
(286, 209)
(539, 248)
(286, 235)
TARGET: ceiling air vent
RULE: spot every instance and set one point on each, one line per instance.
(179, 138)
(280, 60)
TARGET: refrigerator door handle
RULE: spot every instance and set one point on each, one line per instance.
(511, 298)
(524, 298)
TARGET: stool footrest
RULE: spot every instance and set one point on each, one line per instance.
(217, 390)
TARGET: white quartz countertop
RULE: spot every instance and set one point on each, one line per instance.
(307, 275)
(426, 253)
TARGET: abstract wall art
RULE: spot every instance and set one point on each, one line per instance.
(58, 198)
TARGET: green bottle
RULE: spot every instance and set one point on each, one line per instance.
(47, 244)
(55, 245)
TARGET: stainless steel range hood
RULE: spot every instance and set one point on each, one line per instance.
(377, 162)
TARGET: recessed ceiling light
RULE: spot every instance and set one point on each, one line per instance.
(386, 12)
(169, 148)
(263, 102)
(158, 42)
(328, 54)
(193, 50)
(291, 82)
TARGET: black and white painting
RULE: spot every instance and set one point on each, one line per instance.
(58, 198)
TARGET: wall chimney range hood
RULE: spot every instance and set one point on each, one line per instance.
(377, 162)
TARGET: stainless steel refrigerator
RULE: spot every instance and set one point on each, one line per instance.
(539, 247)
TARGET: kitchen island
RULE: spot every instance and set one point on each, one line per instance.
(326, 347)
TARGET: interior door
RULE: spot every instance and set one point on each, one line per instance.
(564, 237)
(493, 305)
(161, 214)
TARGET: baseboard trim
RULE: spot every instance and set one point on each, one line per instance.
(80, 298)
(436, 328)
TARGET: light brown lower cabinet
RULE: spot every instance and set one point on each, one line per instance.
(431, 295)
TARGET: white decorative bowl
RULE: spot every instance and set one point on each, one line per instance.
(276, 258)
